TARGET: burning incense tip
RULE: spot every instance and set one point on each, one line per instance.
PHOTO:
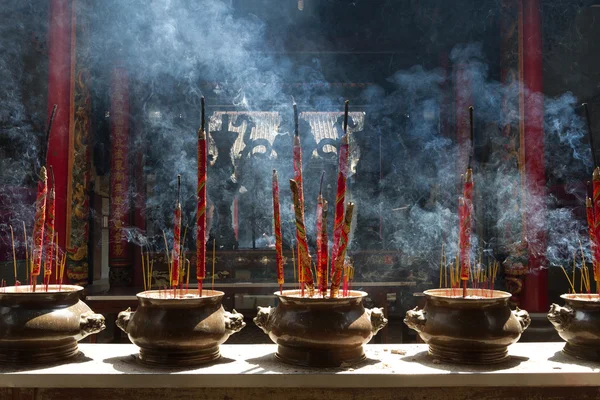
(468, 176)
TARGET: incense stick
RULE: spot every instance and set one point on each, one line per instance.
(48, 130)
(294, 263)
(472, 136)
(341, 255)
(304, 258)
(568, 280)
(143, 269)
(213, 263)
(441, 265)
(12, 238)
(590, 135)
(187, 281)
(150, 274)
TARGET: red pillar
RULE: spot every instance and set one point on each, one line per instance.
(120, 273)
(139, 215)
(535, 296)
(61, 46)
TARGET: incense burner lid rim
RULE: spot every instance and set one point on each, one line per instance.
(592, 298)
(438, 294)
(66, 291)
(207, 296)
(41, 288)
(292, 296)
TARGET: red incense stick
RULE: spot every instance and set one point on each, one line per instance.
(38, 226)
(278, 238)
(593, 204)
(336, 277)
(49, 231)
(176, 241)
(304, 259)
(319, 232)
(341, 190)
(596, 214)
(299, 202)
(465, 248)
(297, 153)
(322, 262)
(467, 221)
(202, 198)
(595, 249)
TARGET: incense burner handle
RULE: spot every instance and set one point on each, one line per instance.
(124, 318)
(262, 318)
(561, 317)
(90, 323)
(234, 322)
(523, 317)
(378, 319)
(415, 319)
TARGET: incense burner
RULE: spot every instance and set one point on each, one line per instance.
(320, 332)
(476, 329)
(180, 331)
(578, 323)
(41, 327)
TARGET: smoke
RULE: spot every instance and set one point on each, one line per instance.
(408, 163)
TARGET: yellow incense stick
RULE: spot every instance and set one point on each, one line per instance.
(213, 263)
(150, 274)
(441, 265)
(143, 269)
(327, 273)
(12, 237)
(456, 271)
(587, 272)
(573, 278)
(26, 251)
(445, 271)
(568, 280)
(167, 252)
(294, 263)
(575, 266)
(187, 278)
(56, 258)
(62, 267)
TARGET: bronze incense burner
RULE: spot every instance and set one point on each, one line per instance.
(180, 331)
(320, 332)
(43, 327)
(578, 323)
(476, 329)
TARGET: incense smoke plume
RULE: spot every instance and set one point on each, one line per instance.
(176, 51)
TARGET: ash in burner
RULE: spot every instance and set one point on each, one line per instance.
(170, 294)
(296, 294)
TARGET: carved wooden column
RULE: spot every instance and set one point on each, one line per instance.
(535, 296)
(61, 46)
(120, 273)
(78, 204)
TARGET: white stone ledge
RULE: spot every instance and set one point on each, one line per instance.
(254, 366)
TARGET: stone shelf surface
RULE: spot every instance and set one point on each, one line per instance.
(254, 366)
